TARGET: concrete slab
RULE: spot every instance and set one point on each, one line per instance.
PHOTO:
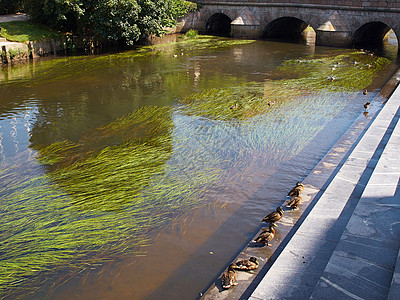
(382, 254)
(352, 279)
(394, 291)
(303, 281)
(375, 222)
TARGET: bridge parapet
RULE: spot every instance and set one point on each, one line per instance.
(372, 4)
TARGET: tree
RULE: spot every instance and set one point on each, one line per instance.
(124, 21)
(10, 6)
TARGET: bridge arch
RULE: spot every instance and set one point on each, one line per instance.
(371, 32)
(219, 24)
(286, 28)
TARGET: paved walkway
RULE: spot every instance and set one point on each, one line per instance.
(13, 17)
(347, 247)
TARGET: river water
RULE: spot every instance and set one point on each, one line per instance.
(141, 174)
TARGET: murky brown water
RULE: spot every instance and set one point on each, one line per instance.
(235, 163)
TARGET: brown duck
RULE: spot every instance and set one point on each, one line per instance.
(229, 277)
(294, 202)
(247, 264)
(366, 105)
(274, 216)
(297, 190)
(266, 236)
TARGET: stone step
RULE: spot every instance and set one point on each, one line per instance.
(394, 291)
(364, 261)
(299, 267)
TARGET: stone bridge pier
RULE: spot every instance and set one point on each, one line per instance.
(339, 23)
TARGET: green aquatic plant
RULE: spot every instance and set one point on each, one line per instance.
(100, 199)
(344, 73)
(82, 66)
(282, 113)
(351, 71)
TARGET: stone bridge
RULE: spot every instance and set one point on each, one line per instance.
(341, 23)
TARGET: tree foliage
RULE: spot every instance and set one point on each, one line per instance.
(10, 6)
(119, 20)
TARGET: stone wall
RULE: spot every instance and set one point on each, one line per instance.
(14, 51)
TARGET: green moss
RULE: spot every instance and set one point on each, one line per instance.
(192, 33)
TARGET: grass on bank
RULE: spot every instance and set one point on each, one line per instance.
(22, 31)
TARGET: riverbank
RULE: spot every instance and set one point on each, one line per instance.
(22, 40)
(332, 255)
(40, 41)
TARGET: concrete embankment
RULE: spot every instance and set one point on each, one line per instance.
(344, 241)
(13, 51)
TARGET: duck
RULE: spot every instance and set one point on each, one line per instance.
(297, 190)
(274, 216)
(294, 202)
(365, 92)
(229, 277)
(270, 103)
(235, 106)
(366, 105)
(247, 264)
(331, 78)
(266, 236)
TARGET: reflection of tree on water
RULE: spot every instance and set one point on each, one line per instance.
(111, 164)
(101, 198)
